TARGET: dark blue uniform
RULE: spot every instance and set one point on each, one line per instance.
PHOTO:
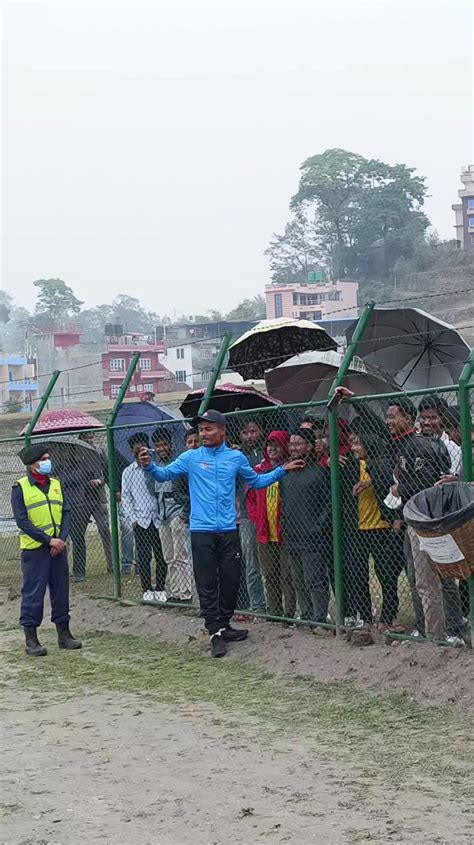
(40, 569)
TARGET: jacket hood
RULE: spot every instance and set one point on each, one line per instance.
(280, 437)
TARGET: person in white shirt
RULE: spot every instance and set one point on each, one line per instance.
(140, 509)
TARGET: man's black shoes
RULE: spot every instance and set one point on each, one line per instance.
(218, 648)
(235, 635)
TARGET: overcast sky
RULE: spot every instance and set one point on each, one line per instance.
(152, 148)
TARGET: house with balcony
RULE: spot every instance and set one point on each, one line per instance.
(151, 375)
(18, 383)
(312, 300)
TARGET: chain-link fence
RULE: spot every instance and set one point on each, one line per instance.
(324, 545)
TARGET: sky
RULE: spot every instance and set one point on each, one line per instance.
(152, 149)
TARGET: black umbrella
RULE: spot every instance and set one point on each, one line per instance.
(227, 398)
(271, 342)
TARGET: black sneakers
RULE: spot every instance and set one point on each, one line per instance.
(235, 635)
(218, 648)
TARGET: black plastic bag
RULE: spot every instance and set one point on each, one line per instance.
(441, 508)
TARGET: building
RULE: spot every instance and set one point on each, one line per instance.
(192, 362)
(150, 376)
(18, 384)
(190, 330)
(80, 365)
(312, 300)
(464, 210)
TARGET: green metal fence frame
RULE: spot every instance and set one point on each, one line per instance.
(462, 389)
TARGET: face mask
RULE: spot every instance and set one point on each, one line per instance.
(45, 467)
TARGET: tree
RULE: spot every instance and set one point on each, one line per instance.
(56, 300)
(368, 213)
(6, 305)
(298, 251)
(249, 309)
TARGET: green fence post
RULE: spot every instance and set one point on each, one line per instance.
(114, 528)
(466, 445)
(338, 551)
(215, 372)
(41, 406)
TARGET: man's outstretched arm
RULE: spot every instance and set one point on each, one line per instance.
(173, 470)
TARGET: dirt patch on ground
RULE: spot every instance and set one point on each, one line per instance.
(140, 737)
(430, 674)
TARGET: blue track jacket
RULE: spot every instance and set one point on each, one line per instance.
(212, 474)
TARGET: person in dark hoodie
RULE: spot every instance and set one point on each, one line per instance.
(305, 510)
(266, 514)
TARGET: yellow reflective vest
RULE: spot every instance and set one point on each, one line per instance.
(45, 510)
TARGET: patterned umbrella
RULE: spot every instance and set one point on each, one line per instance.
(271, 342)
(66, 419)
(226, 398)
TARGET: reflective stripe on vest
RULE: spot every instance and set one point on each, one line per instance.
(44, 511)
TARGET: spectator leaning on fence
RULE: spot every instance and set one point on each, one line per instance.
(44, 517)
(420, 462)
(305, 508)
(265, 512)
(251, 436)
(173, 529)
(140, 510)
(212, 471)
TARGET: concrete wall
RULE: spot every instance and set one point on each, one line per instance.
(80, 381)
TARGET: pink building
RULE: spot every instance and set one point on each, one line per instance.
(149, 377)
(312, 301)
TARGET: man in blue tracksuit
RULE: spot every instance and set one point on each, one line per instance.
(212, 472)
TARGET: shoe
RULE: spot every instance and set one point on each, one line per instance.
(218, 648)
(455, 640)
(160, 596)
(78, 578)
(65, 638)
(126, 570)
(234, 635)
(416, 634)
(32, 645)
(353, 622)
(148, 596)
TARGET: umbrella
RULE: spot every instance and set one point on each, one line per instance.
(136, 415)
(308, 378)
(226, 398)
(66, 419)
(271, 342)
(415, 348)
(64, 450)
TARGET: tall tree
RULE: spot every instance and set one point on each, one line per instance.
(56, 300)
(368, 213)
(298, 251)
(248, 309)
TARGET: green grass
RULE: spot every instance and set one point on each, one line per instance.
(392, 734)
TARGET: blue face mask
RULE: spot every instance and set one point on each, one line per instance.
(45, 467)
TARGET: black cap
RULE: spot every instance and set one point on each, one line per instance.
(211, 416)
(30, 454)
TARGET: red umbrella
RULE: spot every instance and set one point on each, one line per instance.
(227, 398)
(67, 419)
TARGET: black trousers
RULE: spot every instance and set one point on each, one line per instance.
(216, 562)
(147, 542)
(386, 549)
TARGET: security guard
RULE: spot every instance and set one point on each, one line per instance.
(44, 519)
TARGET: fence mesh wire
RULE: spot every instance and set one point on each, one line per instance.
(388, 450)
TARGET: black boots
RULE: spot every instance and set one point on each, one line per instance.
(32, 645)
(65, 638)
